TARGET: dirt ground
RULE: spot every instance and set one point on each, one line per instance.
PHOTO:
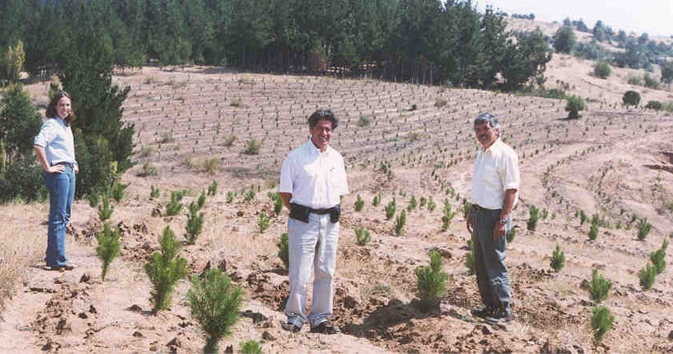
(613, 162)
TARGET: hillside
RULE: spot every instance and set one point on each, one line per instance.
(613, 162)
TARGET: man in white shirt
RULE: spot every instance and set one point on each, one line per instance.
(495, 185)
(312, 181)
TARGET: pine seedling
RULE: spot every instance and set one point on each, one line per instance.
(599, 287)
(215, 304)
(164, 269)
(593, 231)
(510, 235)
(263, 222)
(277, 204)
(212, 189)
(601, 322)
(154, 192)
(251, 347)
(412, 203)
(359, 203)
(534, 216)
(658, 258)
(377, 200)
(644, 228)
(448, 215)
(174, 206)
(362, 236)
(283, 250)
(431, 205)
(230, 197)
(647, 276)
(249, 195)
(202, 200)
(390, 209)
(109, 246)
(194, 225)
(469, 260)
(467, 206)
(422, 202)
(118, 191)
(93, 198)
(583, 217)
(400, 221)
(431, 281)
(558, 259)
(106, 209)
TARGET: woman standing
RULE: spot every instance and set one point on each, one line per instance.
(55, 149)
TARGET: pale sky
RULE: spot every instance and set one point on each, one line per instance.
(655, 17)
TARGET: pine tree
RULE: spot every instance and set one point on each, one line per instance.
(164, 269)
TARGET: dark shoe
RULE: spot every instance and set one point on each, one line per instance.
(69, 266)
(482, 311)
(500, 317)
(324, 328)
(290, 327)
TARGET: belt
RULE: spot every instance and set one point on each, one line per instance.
(478, 207)
(315, 211)
(67, 164)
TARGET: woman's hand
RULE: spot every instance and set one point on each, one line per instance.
(56, 169)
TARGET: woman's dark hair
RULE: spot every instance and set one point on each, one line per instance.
(323, 114)
(51, 109)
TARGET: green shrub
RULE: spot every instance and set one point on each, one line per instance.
(400, 221)
(658, 259)
(599, 287)
(212, 189)
(448, 215)
(647, 276)
(194, 225)
(118, 191)
(431, 281)
(109, 246)
(574, 105)
(202, 200)
(390, 209)
(164, 269)
(376, 200)
(510, 235)
(154, 192)
(583, 217)
(467, 206)
(534, 213)
(215, 303)
(364, 121)
(558, 259)
(655, 105)
(422, 202)
(359, 203)
(644, 228)
(593, 231)
(211, 165)
(469, 260)
(631, 98)
(263, 222)
(601, 322)
(174, 206)
(602, 70)
(431, 205)
(635, 80)
(362, 236)
(252, 147)
(251, 347)
(249, 195)
(106, 209)
(93, 198)
(277, 203)
(651, 82)
(230, 197)
(283, 250)
(412, 203)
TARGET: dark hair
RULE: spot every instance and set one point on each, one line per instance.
(323, 114)
(490, 118)
(51, 109)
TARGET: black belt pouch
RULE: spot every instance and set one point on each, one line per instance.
(335, 214)
(299, 212)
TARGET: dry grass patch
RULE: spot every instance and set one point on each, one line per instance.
(22, 242)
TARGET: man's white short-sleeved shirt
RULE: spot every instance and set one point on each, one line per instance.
(496, 170)
(315, 179)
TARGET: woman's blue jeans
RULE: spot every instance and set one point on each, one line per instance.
(61, 188)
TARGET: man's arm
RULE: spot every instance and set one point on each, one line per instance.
(286, 199)
(507, 206)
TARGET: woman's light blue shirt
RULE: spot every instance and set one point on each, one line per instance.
(57, 140)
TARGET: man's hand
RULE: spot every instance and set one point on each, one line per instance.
(470, 223)
(499, 230)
